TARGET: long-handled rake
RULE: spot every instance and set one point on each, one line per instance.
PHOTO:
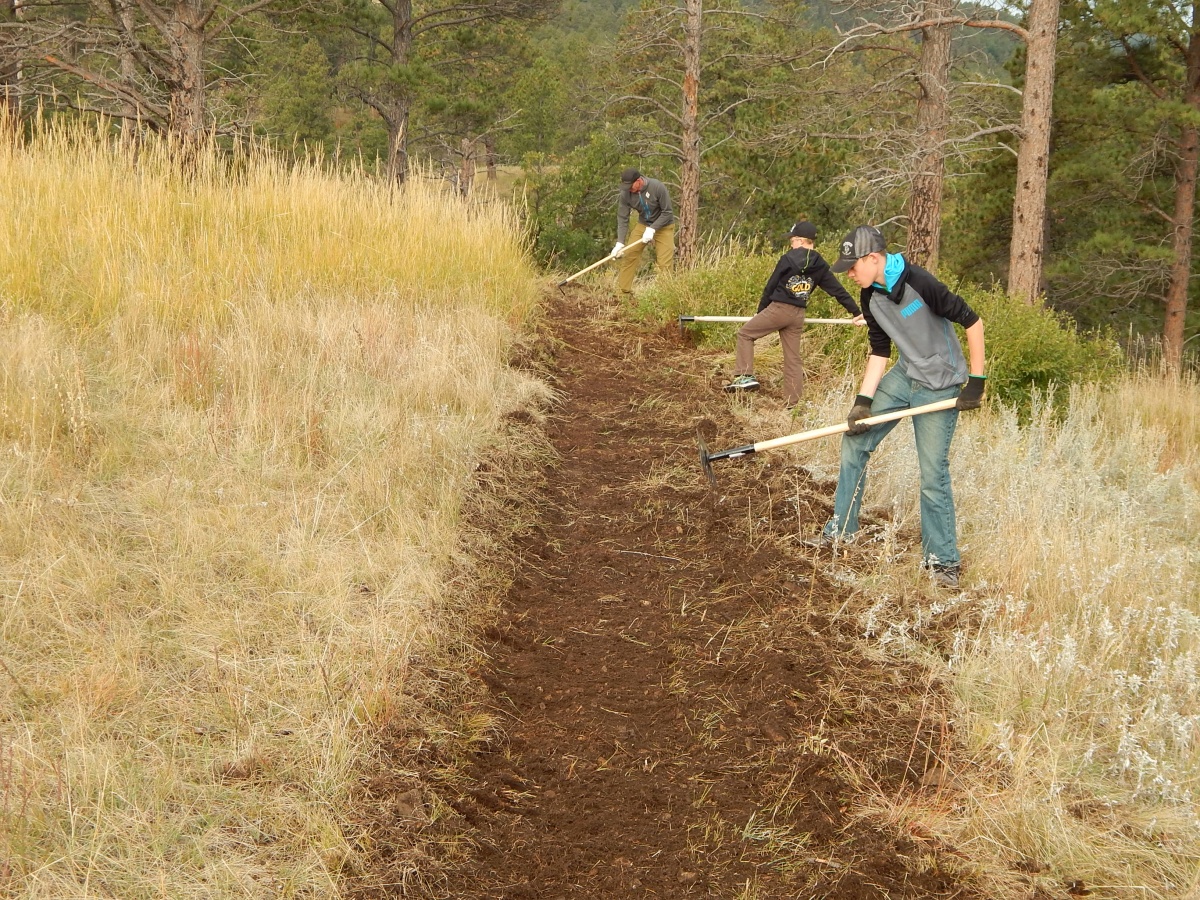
(707, 458)
(685, 319)
(614, 255)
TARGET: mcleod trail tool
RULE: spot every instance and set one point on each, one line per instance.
(614, 255)
(706, 458)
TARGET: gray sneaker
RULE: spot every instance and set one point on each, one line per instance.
(742, 383)
(945, 576)
(823, 541)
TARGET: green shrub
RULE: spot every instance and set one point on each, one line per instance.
(1030, 349)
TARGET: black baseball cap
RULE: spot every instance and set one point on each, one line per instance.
(629, 176)
(803, 230)
(863, 240)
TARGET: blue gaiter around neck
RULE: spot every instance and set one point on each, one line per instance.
(892, 268)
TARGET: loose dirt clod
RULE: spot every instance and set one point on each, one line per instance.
(683, 712)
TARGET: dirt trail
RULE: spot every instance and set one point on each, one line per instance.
(684, 714)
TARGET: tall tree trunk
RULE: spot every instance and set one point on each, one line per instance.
(128, 68)
(689, 168)
(397, 123)
(1185, 209)
(10, 68)
(187, 104)
(466, 171)
(933, 121)
(397, 129)
(1025, 259)
(489, 151)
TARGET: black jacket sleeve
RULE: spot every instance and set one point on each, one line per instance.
(881, 344)
(781, 269)
(940, 298)
(828, 282)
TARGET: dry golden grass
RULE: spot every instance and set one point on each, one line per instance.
(1074, 649)
(238, 413)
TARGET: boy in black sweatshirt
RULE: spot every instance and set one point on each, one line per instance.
(781, 309)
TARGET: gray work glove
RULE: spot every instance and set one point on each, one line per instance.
(860, 410)
(971, 396)
(616, 251)
(648, 235)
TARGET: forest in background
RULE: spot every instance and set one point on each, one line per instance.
(800, 109)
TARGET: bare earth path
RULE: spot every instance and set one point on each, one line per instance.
(684, 714)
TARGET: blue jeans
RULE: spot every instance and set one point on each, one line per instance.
(933, 432)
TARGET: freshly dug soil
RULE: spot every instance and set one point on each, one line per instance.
(683, 711)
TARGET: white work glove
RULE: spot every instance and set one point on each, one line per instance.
(648, 236)
(617, 249)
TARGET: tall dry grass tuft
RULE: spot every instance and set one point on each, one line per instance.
(1074, 650)
(239, 410)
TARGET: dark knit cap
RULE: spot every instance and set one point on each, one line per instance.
(629, 176)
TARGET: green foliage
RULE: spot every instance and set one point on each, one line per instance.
(298, 99)
(572, 207)
(1030, 349)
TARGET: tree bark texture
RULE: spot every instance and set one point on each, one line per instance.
(10, 65)
(689, 167)
(489, 150)
(932, 123)
(466, 171)
(1025, 261)
(397, 109)
(1186, 165)
(188, 42)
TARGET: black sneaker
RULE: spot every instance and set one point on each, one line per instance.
(945, 576)
(742, 383)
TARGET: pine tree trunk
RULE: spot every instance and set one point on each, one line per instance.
(397, 121)
(489, 150)
(10, 70)
(128, 69)
(933, 120)
(1025, 260)
(1186, 166)
(187, 103)
(689, 168)
(466, 172)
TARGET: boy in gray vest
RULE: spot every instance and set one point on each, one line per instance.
(905, 305)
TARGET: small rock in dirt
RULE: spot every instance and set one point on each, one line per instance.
(512, 781)
(937, 777)
(688, 877)
(408, 804)
(771, 733)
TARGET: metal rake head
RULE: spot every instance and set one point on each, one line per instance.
(706, 461)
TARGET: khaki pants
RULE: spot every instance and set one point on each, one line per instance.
(788, 320)
(664, 253)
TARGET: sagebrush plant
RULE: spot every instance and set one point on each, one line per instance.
(1074, 649)
(239, 411)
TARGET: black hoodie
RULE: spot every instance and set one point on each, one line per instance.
(796, 274)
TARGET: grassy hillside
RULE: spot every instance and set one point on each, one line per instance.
(239, 411)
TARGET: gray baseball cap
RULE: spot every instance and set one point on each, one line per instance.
(858, 243)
